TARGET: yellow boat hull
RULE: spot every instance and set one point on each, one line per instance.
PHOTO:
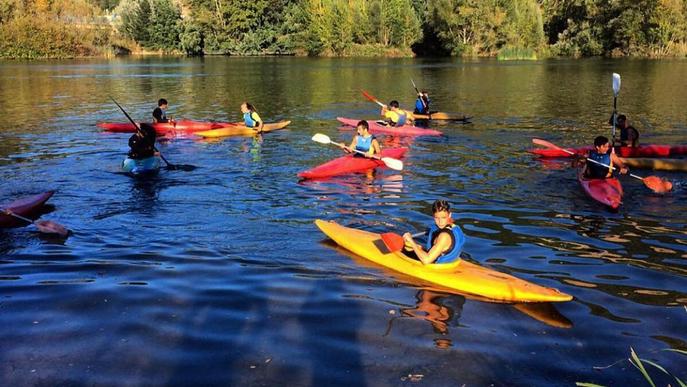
(656, 164)
(241, 130)
(442, 116)
(462, 276)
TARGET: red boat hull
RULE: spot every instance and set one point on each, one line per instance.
(349, 164)
(25, 207)
(608, 191)
(405, 130)
(650, 150)
(186, 126)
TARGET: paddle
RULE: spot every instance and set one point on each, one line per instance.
(372, 98)
(170, 166)
(616, 90)
(395, 242)
(44, 226)
(388, 161)
(421, 99)
(654, 183)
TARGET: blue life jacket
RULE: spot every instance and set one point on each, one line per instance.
(363, 144)
(250, 120)
(402, 118)
(420, 107)
(596, 171)
(457, 241)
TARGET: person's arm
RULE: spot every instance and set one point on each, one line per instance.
(349, 149)
(375, 149)
(615, 160)
(443, 242)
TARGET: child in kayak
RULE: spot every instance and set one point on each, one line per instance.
(160, 112)
(394, 115)
(364, 141)
(444, 241)
(604, 154)
(422, 103)
(142, 143)
(251, 118)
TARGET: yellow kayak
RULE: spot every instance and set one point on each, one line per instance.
(656, 164)
(442, 116)
(461, 276)
(241, 130)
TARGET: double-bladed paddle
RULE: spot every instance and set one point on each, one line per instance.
(395, 242)
(654, 183)
(616, 90)
(372, 98)
(44, 226)
(170, 166)
(390, 162)
(420, 95)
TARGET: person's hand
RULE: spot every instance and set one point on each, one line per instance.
(408, 238)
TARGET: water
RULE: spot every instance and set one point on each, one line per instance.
(219, 276)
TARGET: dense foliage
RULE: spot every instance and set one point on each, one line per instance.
(508, 28)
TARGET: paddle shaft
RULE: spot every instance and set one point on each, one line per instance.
(612, 168)
(354, 150)
(10, 213)
(418, 93)
(139, 130)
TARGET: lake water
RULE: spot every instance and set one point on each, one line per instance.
(218, 276)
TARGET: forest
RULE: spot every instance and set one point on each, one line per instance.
(506, 29)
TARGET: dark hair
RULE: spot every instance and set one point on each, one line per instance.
(621, 117)
(364, 124)
(440, 205)
(601, 140)
(161, 102)
(249, 106)
(393, 103)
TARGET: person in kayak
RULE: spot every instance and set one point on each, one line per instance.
(629, 135)
(422, 103)
(142, 143)
(251, 118)
(444, 240)
(160, 112)
(364, 141)
(394, 115)
(604, 154)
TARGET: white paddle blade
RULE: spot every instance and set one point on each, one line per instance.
(395, 164)
(321, 138)
(544, 143)
(616, 83)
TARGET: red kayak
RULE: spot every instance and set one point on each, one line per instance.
(650, 150)
(349, 164)
(405, 130)
(607, 191)
(186, 126)
(25, 207)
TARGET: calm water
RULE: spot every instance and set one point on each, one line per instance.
(219, 276)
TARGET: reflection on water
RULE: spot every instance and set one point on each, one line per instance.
(216, 276)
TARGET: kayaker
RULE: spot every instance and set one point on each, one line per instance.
(422, 103)
(364, 141)
(629, 135)
(444, 240)
(142, 143)
(394, 115)
(160, 112)
(251, 118)
(604, 154)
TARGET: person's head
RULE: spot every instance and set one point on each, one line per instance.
(246, 107)
(362, 127)
(601, 144)
(621, 120)
(146, 128)
(393, 104)
(441, 211)
(162, 103)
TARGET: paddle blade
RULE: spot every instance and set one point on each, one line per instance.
(395, 164)
(545, 143)
(372, 98)
(616, 84)
(657, 184)
(48, 227)
(181, 167)
(321, 138)
(393, 242)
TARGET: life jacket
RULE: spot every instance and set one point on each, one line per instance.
(457, 241)
(161, 117)
(251, 119)
(596, 171)
(397, 118)
(422, 105)
(363, 144)
(142, 147)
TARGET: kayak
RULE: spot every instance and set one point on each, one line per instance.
(607, 191)
(460, 276)
(442, 116)
(350, 164)
(651, 150)
(24, 207)
(405, 130)
(161, 128)
(241, 130)
(144, 167)
(656, 164)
